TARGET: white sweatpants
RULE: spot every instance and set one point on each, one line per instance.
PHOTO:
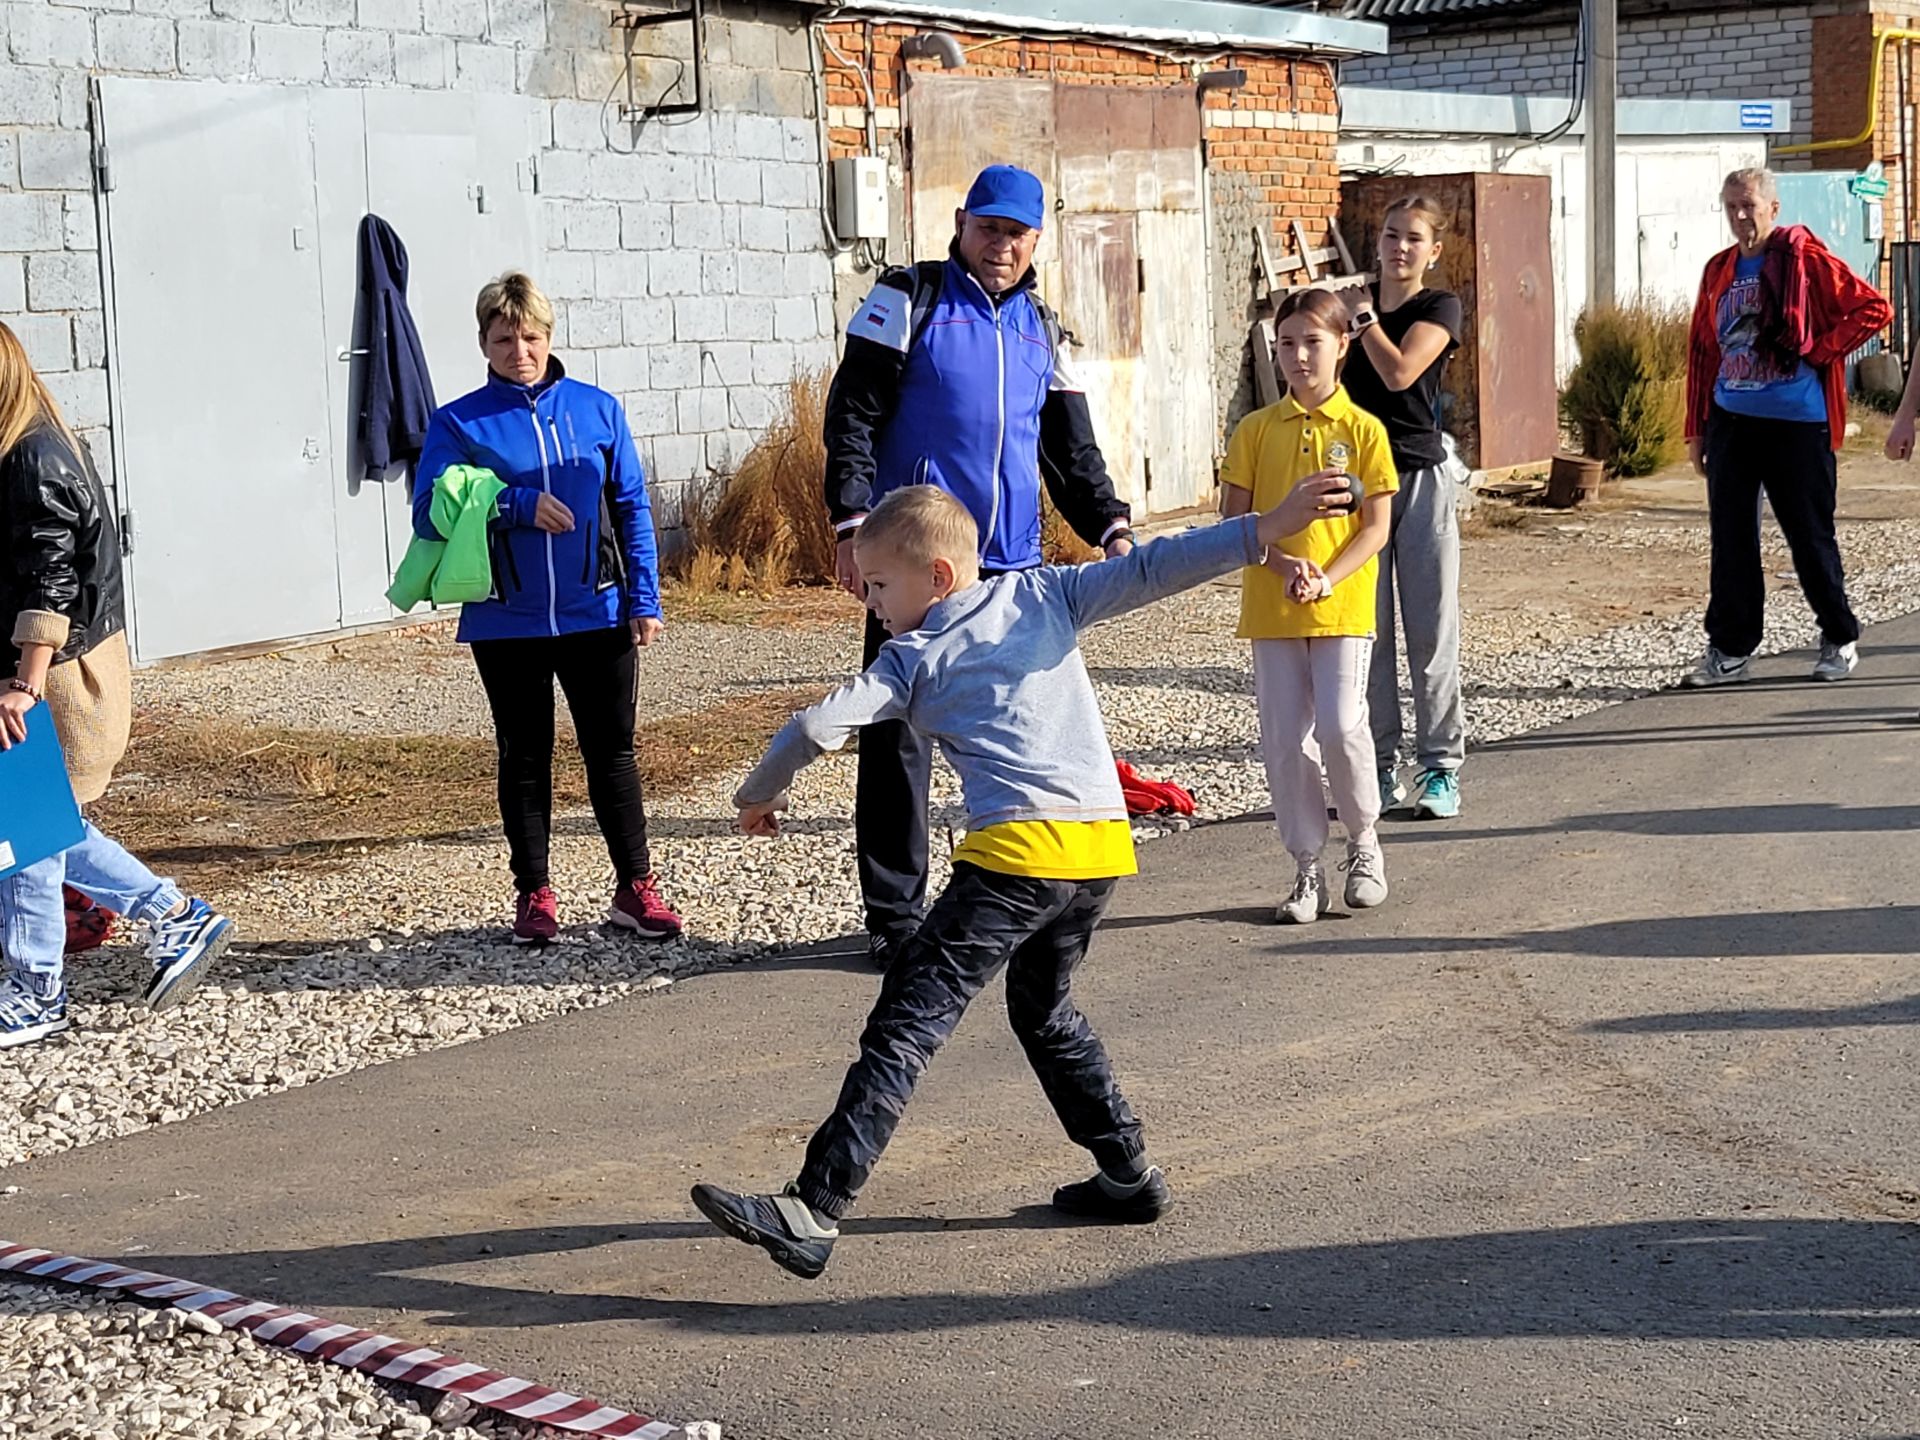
(1312, 690)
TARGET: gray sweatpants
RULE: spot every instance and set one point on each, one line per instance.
(1422, 562)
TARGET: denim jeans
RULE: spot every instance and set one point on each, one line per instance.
(33, 917)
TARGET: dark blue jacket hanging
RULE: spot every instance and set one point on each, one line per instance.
(397, 400)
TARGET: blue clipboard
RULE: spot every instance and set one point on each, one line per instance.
(38, 816)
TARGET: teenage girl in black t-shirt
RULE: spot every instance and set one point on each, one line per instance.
(1394, 370)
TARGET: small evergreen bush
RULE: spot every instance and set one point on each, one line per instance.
(1626, 398)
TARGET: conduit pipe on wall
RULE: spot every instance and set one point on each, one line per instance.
(1881, 39)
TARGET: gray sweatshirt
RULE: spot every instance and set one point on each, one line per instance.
(994, 675)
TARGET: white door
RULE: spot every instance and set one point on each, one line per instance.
(1176, 340)
(1100, 266)
(449, 173)
(222, 387)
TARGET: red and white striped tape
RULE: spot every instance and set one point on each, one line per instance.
(378, 1355)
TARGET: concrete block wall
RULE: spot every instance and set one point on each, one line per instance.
(1731, 52)
(687, 258)
(1269, 147)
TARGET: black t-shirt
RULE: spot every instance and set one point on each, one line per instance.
(1412, 415)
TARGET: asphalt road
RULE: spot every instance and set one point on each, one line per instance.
(1604, 1126)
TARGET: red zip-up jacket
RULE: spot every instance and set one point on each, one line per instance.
(1826, 313)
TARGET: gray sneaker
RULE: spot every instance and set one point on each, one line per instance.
(1392, 793)
(1366, 871)
(1718, 669)
(1309, 900)
(1836, 662)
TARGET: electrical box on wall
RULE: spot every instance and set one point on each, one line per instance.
(860, 197)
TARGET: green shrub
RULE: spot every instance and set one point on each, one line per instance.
(1626, 398)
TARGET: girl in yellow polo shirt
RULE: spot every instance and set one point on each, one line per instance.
(1309, 610)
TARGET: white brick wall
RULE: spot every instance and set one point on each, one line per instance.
(1733, 53)
(690, 275)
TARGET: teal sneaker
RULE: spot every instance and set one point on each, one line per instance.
(1392, 793)
(1439, 795)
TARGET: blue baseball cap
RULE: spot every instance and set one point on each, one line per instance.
(1009, 192)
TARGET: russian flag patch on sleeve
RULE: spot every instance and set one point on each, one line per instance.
(885, 318)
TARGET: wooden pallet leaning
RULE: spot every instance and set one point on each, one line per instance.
(1308, 262)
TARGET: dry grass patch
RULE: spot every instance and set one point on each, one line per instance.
(211, 798)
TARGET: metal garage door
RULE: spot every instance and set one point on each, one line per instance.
(231, 235)
(222, 402)
(1123, 260)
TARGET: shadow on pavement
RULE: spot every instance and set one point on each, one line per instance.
(1878, 724)
(1762, 1279)
(1904, 1011)
(1882, 930)
(1726, 820)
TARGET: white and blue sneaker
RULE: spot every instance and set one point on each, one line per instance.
(1438, 797)
(181, 947)
(32, 1008)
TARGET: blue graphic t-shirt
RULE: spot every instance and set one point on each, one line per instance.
(1750, 383)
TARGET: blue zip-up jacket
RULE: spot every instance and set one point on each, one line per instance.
(973, 398)
(571, 441)
(994, 675)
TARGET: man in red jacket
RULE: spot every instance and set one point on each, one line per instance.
(1777, 316)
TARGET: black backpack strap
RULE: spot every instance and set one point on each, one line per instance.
(928, 278)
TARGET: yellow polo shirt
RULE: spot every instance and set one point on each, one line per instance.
(1271, 451)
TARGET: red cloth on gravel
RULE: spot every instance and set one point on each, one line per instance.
(1151, 797)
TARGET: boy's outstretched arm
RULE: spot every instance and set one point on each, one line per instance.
(881, 692)
(1173, 563)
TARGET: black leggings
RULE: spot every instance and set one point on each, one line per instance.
(597, 671)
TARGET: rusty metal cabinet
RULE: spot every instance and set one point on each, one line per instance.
(1501, 402)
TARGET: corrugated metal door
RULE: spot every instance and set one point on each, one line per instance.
(222, 388)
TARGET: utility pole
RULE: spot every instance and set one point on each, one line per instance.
(1603, 85)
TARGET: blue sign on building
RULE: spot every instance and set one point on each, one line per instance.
(1756, 117)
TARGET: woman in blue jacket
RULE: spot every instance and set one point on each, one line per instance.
(575, 589)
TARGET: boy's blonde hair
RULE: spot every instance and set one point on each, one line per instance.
(516, 299)
(921, 524)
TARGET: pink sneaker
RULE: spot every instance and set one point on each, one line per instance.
(637, 906)
(536, 917)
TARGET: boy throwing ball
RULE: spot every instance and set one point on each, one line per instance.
(991, 670)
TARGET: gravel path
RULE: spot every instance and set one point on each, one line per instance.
(418, 682)
(404, 950)
(77, 1364)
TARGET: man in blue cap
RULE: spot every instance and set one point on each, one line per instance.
(954, 376)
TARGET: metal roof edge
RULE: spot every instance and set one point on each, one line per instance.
(1435, 112)
(1194, 24)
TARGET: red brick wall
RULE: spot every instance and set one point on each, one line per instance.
(1295, 167)
(1843, 48)
(1270, 146)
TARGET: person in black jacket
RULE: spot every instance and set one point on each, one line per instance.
(954, 376)
(62, 603)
